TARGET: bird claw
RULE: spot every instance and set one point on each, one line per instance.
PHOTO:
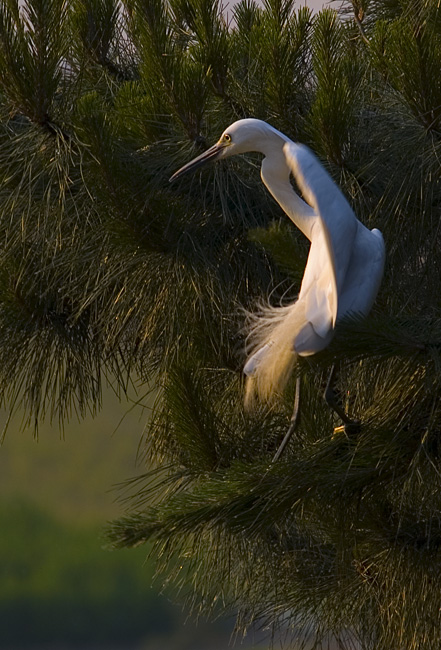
(349, 428)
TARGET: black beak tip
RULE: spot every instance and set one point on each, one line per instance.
(210, 154)
(174, 176)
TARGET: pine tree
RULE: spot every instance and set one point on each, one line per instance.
(108, 272)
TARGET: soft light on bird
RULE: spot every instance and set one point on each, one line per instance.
(345, 262)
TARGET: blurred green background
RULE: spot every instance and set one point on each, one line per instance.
(60, 587)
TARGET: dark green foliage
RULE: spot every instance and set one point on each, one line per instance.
(32, 47)
(95, 24)
(108, 271)
(282, 241)
(337, 75)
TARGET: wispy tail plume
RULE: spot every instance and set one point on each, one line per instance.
(272, 332)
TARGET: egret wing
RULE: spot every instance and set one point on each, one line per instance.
(332, 237)
(319, 289)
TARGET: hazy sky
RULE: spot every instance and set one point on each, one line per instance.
(314, 4)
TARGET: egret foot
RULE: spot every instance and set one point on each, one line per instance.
(292, 425)
(349, 426)
(349, 429)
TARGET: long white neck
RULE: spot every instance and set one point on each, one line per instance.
(275, 174)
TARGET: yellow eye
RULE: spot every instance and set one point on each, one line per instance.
(227, 137)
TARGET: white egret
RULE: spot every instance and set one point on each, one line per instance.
(345, 262)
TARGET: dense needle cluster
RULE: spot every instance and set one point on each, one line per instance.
(109, 273)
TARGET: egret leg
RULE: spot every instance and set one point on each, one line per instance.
(292, 424)
(330, 396)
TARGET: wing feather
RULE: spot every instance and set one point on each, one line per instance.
(332, 237)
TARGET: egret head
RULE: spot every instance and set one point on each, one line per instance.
(240, 137)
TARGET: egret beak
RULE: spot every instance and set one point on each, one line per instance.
(211, 154)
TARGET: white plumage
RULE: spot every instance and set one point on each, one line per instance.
(345, 262)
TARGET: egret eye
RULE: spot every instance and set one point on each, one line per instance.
(227, 137)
